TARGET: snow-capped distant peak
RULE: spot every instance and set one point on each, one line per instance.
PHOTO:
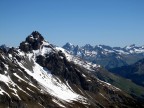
(68, 43)
(5, 47)
(130, 46)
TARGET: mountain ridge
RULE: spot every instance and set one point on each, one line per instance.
(106, 56)
(38, 74)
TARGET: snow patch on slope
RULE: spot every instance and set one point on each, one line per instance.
(108, 85)
(8, 81)
(78, 61)
(57, 102)
(52, 84)
(15, 74)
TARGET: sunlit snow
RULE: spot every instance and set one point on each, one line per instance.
(52, 84)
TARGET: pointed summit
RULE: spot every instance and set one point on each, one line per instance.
(69, 46)
(35, 37)
(4, 47)
(88, 47)
(32, 42)
(130, 46)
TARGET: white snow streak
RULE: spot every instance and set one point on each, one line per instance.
(51, 84)
(58, 103)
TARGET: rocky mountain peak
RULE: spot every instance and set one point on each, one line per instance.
(69, 46)
(88, 47)
(4, 48)
(32, 42)
(130, 46)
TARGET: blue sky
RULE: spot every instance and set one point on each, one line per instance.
(109, 22)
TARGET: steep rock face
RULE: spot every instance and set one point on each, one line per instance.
(47, 76)
(77, 76)
(19, 88)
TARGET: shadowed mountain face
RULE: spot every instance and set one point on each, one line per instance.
(38, 75)
(106, 56)
(134, 72)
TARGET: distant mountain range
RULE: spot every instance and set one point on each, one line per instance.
(106, 56)
(38, 74)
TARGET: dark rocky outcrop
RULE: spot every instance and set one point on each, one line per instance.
(32, 42)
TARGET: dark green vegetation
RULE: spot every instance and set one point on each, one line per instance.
(122, 83)
(134, 72)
